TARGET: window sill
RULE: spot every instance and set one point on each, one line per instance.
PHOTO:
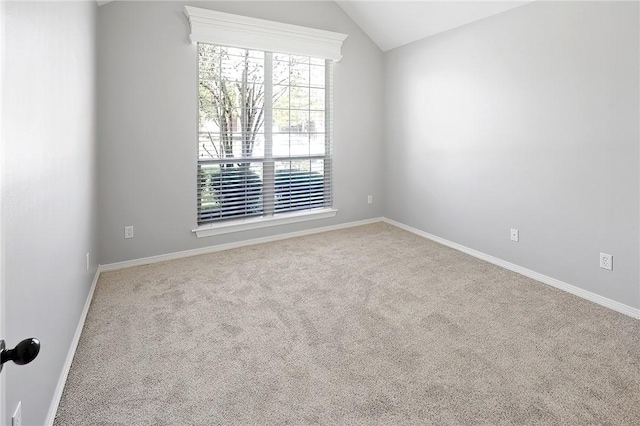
(262, 222)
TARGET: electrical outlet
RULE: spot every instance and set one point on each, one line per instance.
(128, 231)
(16, 420)
(515, 235)
(87, 261)
(370, 199)
(606, 261)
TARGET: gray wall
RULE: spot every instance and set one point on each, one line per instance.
(147, 107)
(49, 188)
(528, 120)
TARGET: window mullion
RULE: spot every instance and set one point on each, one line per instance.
(268, 172)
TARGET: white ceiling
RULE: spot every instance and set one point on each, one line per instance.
(394, 23)
(391, 23)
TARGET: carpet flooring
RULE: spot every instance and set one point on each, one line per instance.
(367, 325)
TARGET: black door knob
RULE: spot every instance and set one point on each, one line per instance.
(24, 352)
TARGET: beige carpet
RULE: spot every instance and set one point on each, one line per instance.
(369, 325)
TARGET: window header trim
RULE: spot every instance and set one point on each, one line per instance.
(226, 29)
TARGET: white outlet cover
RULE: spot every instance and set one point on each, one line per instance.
(606, 261)
(515, 235)
(128, 231)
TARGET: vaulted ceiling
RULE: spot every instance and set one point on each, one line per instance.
(391, 24)
(394, 23)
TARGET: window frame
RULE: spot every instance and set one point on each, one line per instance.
(229, 30)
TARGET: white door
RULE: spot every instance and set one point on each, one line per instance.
(2, 301)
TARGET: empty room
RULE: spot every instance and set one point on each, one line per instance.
(319, 212)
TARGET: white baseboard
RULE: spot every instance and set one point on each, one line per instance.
(593, 297)
(53, 409)
(222, 247)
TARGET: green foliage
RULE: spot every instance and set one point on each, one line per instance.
(230, 191)
(298, 190)
(237, 191)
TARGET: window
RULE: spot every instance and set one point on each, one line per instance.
(264, 143)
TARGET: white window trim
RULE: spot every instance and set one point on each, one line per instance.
(225, 29)
(262, 222)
